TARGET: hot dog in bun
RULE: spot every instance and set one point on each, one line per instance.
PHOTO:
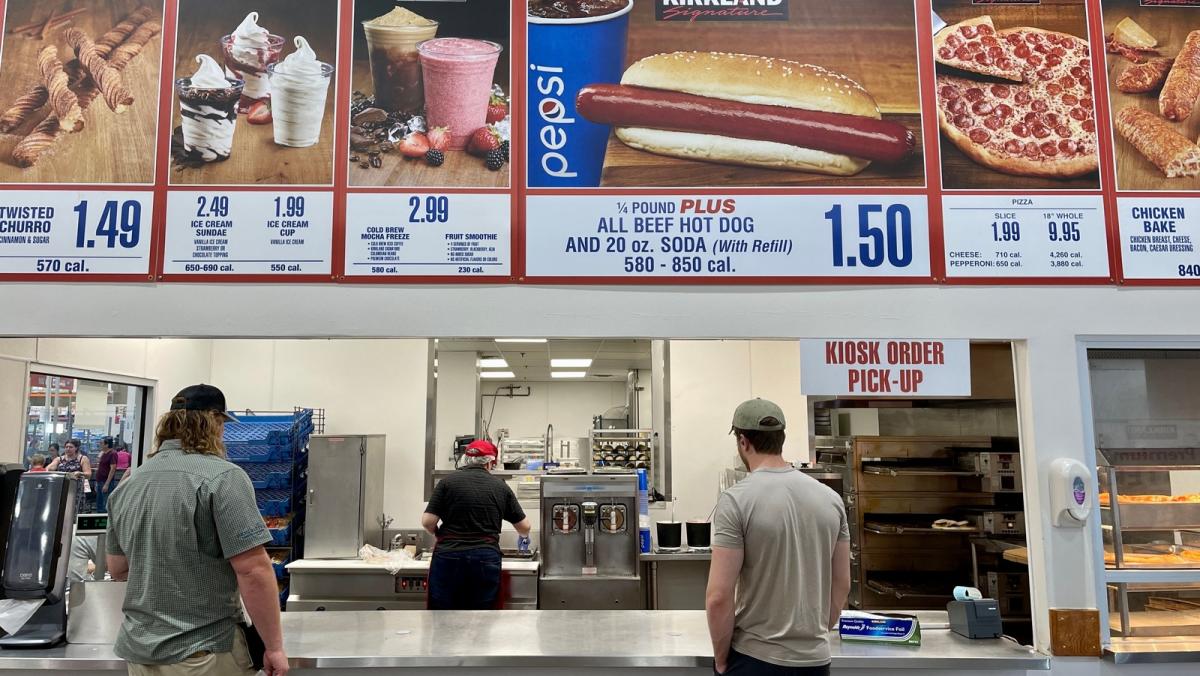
(747, 110)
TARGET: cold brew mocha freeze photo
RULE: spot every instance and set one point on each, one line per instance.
(656, 93)
(79, 82)
(430, 105)
(254, 99)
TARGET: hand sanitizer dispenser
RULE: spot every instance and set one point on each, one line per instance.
(1070, 493)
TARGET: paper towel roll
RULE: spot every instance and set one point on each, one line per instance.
(967, 593)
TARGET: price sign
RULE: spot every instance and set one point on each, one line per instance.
(1159, 237)
(75, 233)
(1036, 236)
(783, 236)
(249, 233)
(417, 235)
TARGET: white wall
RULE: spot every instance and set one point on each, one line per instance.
(708, 381)
(457, 402)
(365, 387)
(568, 406)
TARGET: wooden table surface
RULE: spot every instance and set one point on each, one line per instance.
(1066, 16)
(872, 42)
(255, 158)
(461, 170)
(110, 148)
(1170, 25)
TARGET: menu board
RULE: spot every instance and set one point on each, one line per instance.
(600, 141)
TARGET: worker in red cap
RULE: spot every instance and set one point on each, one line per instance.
(465, 515)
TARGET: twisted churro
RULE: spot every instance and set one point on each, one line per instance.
(63, 101)
(122, 55)
(30, 148)
(23, 107)
(119, 32)
(105, 77)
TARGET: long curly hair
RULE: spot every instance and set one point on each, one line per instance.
(197, 431)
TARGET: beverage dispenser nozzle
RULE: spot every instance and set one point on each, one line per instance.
(590, 512)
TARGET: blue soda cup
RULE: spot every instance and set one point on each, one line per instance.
(565, 55)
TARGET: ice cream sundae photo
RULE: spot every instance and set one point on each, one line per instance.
(278, 55)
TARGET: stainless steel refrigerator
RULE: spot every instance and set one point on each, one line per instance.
(345, 495)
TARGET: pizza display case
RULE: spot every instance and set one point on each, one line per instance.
(1150, 519)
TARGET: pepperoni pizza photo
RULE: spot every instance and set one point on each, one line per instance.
(1014, 96)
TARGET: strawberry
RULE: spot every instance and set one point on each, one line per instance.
(259, 113)
(414, 145)
(439, 138)
(483, 141)
(497, 110)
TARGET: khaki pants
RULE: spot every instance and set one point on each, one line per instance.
(233, 663)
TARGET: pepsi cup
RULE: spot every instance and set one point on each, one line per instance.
(566, 150)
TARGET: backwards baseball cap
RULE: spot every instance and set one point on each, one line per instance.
(752, 415)
(201, 398)
(481, 447)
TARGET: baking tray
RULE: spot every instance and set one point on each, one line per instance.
(1155, 516)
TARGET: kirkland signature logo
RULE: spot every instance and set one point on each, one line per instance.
(721, 10)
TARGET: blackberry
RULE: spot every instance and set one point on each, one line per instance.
(434, 158)
(495, 159)
(504, 149)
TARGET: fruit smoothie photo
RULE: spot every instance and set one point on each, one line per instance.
(430, 101)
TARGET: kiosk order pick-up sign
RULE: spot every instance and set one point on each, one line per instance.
(885, 367)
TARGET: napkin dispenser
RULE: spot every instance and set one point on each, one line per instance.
(975, 618)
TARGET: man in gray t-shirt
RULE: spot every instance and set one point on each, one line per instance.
(782, 540)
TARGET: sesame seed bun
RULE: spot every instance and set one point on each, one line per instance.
(753, 79)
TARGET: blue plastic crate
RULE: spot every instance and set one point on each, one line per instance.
(270, 475)
(274, 502)
(242, 452)
(280, 564)
(281, 535)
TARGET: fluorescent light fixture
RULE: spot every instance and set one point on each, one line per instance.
(497, 374)
(493, 363)
(568, 374)
(520, 340)
(570, 363)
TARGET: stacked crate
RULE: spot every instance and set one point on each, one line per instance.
(273, 451)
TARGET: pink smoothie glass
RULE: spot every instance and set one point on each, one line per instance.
(458, 84)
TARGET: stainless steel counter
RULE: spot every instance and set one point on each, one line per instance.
(686, 555)
(1154, 650)
(620, 639)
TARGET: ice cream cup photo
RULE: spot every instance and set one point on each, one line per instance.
(247, 52)
(458, 84)
(395, 63)
(299, 86)
(208, 108)
(565, 54)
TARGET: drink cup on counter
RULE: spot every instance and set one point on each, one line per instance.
(396, 65)
(299, 86)
(699, 534)
(566, 54)
(458, 76)
(208, 110)
(670, 535)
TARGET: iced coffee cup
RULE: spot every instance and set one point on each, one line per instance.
(247, 52)
(392, 41)
(208, 108)
(299, 85)
(458, 84)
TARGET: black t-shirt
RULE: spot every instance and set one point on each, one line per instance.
(471, 503)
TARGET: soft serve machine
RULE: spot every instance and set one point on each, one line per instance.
(590, 542)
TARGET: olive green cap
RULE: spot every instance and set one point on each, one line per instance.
(751, 414)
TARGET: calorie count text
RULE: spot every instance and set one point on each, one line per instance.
(1062, 227)
(473, 249)
(884, 236)
(216, 215)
